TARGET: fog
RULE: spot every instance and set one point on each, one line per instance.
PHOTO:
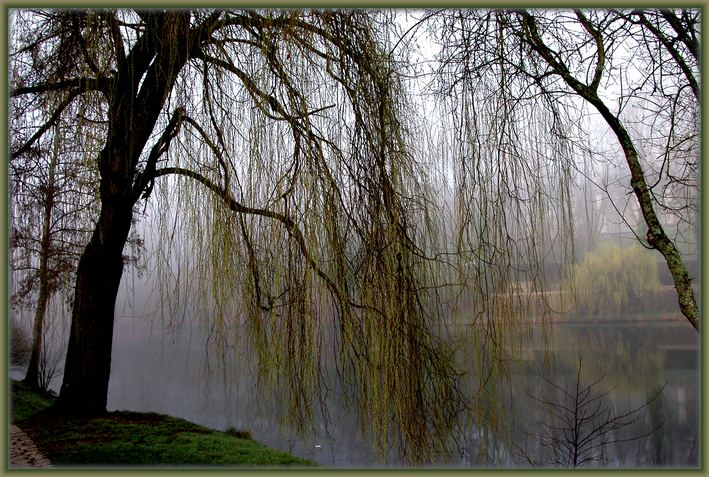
(174, 370)
(171, 372)
(485, 218)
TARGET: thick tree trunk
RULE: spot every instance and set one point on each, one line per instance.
(88, 361)
(158, 57)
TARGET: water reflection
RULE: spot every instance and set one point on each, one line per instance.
(170, 373)
(634, 362)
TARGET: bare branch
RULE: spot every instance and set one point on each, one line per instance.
(82, 85)
(45, 127)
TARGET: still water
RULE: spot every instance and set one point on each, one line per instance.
(644, 374)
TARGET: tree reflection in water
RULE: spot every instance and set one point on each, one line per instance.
(641, 410)
(634, 366)
(580, 423)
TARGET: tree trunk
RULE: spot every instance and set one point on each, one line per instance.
(158, 57)
(32, 376)
(88, 362)
(656, 236)
(98, 277)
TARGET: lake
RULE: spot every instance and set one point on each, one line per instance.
(631, 360)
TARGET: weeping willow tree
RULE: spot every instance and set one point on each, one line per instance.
(606, 281)
(371, 273)
(282, 138)
(632, 73)
(323, 214)
(334, 264)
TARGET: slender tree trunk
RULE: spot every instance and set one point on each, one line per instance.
(32, 374)
(657, 238)
(33, 370)
(656, 235)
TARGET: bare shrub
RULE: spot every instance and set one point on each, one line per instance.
(580, 424)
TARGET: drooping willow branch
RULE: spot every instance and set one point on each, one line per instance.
(260, 97)
(656, 235)
(81, 85)
(290, 225)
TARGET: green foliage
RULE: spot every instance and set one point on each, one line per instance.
(613, 280)
(136, 439)
(26, 402)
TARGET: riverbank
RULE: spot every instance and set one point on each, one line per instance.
(131, 439)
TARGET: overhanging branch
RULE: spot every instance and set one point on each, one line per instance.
(143, 182)
(50, 122)
(290, 225)
(260, 97)
(82, 85)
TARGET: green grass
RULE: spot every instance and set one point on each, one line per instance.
(136, 439)
(25, 402)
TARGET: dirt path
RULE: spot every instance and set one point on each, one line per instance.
(23, 452)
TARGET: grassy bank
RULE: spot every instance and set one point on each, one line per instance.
(135, 439)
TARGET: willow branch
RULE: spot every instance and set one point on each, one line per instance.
(143, 182)
(290, 225)
(118, 45)
(600, 49)
(50, 122)
(259, 96)
(81, 84)
(82, 44)
(215, 150)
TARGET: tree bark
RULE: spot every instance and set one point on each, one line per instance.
(88, 362)
(133, 112)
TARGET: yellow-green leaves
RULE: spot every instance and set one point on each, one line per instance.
(614, 279)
